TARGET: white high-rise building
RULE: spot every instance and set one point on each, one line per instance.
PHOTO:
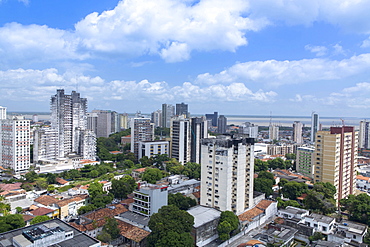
(227, 170)
(273, 132)
(168, 111)
(364, 135)
(180, 139)
(157, 118)
(141, 130)
(15, 144)
(249, 129)
(315, 125)
(297, 132)
(45, 146)
(69, 121)
(199, 131)
(2, 112)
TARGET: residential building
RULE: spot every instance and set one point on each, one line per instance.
(2, 112)
(141, 130)
(153, 148)
(227, 169)
(221, 124)
(45, 144)
(180, 139)
(305, 160)
(69, 121)
(249, 129)
(205, 224)
(297, 132)
(336, 159)
(320, 223)
(363, 183)
(182, 110)
(15, 144)
(92, 121)
(315, 125)
(281, 149)
(274, 132)
(168, 111)
(199, 131)
(53, 232)
(349, 232)
(213, 117)
(107, 122)
(149, 198)
(364, 135)
(124, 121)
(156, 117)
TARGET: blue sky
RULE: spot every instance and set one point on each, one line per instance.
(246, 57)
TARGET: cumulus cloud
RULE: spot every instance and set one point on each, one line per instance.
(38, 85)
(276, 73)
(318, 50)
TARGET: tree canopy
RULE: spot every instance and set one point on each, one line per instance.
(358, 207)
(152, 175)
(171, 227)
(228, 222)
(180, 201)
(39, 218)
(122, 187)
(264, 182)
(293, 189)
(11, 222)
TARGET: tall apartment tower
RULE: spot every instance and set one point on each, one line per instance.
(297, 132)
(199, 131)
(336, 159)
(2, 112)
(213, 117)
(15, 144)
(168, 111)
(141, 130)
(315, 125)
(123, 121)
(249, 129)
(180, 139)
(69, 126)
(305, 161)
(364, 135)
(227, 170)
(157, 118)
(182, 109)
(273, 132)
(221, 124)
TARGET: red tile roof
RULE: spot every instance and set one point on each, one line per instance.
(132, 232)
(14, 186)
(61, 181)
(41, 211)
(46, 200)
(250, 214)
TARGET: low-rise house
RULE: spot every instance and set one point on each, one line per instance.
(363, 183)
(320, 223)
(136, 173)
(92, 223)
(43, 211)
(205, 224)
(264, 211)
(132, 235)
(62, 182)
(349, 232)
(106, 185)
(293, 213)
(48, 233)
(278, 235)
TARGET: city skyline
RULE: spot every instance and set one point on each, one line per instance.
(237, 59)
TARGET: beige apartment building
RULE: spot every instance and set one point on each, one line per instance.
(336, 158)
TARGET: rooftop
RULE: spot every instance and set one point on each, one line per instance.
(321, 218)
(203, 215)
(41, 211)
(132, 232)
(135, 218)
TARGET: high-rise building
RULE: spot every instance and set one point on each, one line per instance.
(249, 129)
(227, 170)
(305, 160)
(364, 135)
(107, 122)
(15, 144)
(168, 111)
(213, 117)
(274, 132)
(69, 121)
(180, 139)
(315, 125)
(157, 118)
(182, 109)
(141, 130)
(153, 148)
(221, 124)
(199, 131)
(297, 132)
(2, 112)
(149, 198)
(45, 146)
(124, 121)
(336, 159)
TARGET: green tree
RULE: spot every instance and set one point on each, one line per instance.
(86, 209)
(291, 156)
(192, 170)
(145, 161)
(315, 236)
(111, 227)
(159, 160)
(93, 174)
(228, 222)
(11, 222)
(260, 165)
(171, 163)
(292, 190)
(19, 210)
(171, 226)
(358, 207)
(276, 163)
(327, 189)
(51, 188)
(95, 189)
(181, 201)
(152, 175)
(51, 178)
(31, 176)
(263, 185)
(316, 201)
(121, 188)
(104, 237)
(41, 183)
(39, 218)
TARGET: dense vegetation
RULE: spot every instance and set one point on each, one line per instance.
(228, 223)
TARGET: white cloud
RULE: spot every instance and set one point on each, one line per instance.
(276, 73)
(365, 43)
(39, 85)
(318, 50)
